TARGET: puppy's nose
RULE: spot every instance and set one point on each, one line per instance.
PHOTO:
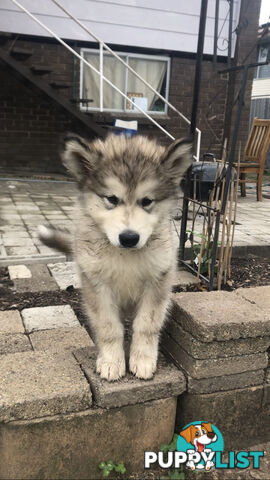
(210, 434)
(128, 238)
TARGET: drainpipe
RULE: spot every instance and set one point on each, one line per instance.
(196, 93)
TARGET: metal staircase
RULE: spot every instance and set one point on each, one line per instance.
(16, 56)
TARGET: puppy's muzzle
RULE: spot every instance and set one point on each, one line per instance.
(128, 239)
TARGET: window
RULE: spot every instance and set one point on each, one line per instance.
(155, 70)
(264, 70)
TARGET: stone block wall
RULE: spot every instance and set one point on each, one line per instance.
(221, 342)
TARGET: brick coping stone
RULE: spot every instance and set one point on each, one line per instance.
(37, 384)
(220, 315)
(214, 367)
(168, 381)
(199, 349)
(40, 384)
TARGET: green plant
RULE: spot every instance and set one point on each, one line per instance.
(110, 466)
(169, 447)
(176, 473)
(202, 255)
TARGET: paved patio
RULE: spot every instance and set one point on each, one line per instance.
(23, 206)
(26, 204)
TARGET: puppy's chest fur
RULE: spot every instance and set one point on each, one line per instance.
(126, 272)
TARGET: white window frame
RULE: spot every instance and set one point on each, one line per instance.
(127, 56)
(260, 59)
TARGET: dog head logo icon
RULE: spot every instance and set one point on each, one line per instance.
(200, 440)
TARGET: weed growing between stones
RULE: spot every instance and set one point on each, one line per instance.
(175, 473)
(110, 466)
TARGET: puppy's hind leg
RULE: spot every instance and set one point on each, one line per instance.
(109, 331)
(146, 328)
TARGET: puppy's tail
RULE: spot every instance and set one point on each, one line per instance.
(58, 239)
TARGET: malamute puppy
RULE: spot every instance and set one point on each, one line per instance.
(123, 242)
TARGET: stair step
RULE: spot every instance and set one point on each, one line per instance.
(84, 101)
(59, 85)
(4, 37)
(41, 69)
(21, 53)
(43, 86)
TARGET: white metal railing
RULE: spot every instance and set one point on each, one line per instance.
(99, 72)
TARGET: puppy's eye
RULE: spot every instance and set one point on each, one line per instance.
(197, 434)
(146, 202)
(112, 200)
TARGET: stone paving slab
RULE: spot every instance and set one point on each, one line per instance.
(19, 271)
(198, 349)
(184, 278)
(167, 382)
(40, 281)
(214, 367)
(37, 384)
(32, 250)
(45, 318)
(65, 274)
(17, 241)
(225, 382)
(11, 322)
(57, 340)
(15, 342)
(219, 316)
(258, 295)
(6, 260)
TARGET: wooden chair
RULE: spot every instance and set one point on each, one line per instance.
(254, 156)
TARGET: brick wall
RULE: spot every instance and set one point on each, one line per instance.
(32, 124)
(246, 52)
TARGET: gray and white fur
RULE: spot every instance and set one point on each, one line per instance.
(123, 243)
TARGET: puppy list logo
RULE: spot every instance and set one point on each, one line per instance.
(200, 446)
(200, 441)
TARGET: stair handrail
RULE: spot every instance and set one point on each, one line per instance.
(104, 45)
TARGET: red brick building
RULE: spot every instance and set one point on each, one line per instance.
(42, 82)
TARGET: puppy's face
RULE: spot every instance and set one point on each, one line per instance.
(128, 185)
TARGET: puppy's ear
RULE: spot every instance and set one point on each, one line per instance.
(178, 158)
(76, 156)
(188, 433)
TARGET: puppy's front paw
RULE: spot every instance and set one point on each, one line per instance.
(111, 369)
(142, 366)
